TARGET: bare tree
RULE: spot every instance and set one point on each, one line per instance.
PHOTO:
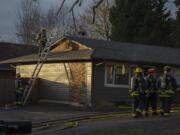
(79, 2)
(32, 19)
(56, 20)
(29, 21)
(58, 25)
(102, 27)
(94, 7)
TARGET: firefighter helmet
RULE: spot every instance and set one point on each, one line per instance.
(138, 70)
(151, 70)
(167, 68)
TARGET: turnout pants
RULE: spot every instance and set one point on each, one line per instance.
(41, 47)
(151, 101)
(18, 98)
(165, 104)
(138, 104)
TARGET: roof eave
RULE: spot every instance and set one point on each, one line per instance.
(50, 61)
(135, 62)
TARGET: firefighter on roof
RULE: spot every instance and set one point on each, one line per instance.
(42, 39)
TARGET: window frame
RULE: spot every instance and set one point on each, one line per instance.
(113, 84)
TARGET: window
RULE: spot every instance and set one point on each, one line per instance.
(109, 73)
(116, 75)
(176, 73)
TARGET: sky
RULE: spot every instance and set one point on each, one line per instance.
(8, 16)
(9, 10)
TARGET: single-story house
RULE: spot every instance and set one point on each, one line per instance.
(12, 50)
(88, 71)
(8, 71)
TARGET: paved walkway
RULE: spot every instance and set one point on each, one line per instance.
(44, 111)
(41, 112)
(50, 111)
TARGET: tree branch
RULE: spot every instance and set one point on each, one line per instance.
(61, 6)
(74, 4)
(74, 20)
(94, 9)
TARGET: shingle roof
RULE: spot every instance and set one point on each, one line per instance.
(130, 52)
(63, 56)
(114, 51)
(12, 50)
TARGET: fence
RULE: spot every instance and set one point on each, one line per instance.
(34, 95)
(7, 91)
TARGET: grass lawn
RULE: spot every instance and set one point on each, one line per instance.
(132, 132)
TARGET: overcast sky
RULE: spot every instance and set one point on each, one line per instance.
(8, 16)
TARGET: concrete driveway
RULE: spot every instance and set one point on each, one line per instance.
(47, 111)
(155, 124)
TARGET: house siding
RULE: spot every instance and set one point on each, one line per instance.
(62, 81)
(100, 92)
(7, 90)
(177, 76)
(34, 96)
(7, 74)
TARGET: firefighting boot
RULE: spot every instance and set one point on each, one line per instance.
(135, 115)
(154, 113)
(167, 114)
(145, 113)
(139, 112)
(162, 112)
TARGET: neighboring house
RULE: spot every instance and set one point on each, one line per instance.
(11, 50)
(8, 71)
(89, 71)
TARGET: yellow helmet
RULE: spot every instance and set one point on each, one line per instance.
(138, 70)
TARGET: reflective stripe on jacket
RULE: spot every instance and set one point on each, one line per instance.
(137, 86)
(19, 86)
(151, 84)
(167, 85)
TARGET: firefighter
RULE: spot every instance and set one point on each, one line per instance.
(41, 40)
(167, 86)
(151, 92)
(137, 89)
(18, 90)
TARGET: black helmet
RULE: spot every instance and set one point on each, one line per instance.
(167, 68)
